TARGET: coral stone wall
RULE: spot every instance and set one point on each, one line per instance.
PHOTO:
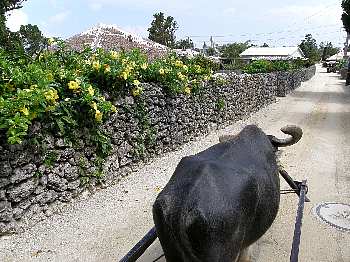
(32, 186)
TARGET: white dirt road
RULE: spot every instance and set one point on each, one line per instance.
(106, 225)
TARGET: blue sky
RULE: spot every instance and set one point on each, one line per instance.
(275, 22)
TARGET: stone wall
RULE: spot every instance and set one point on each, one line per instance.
(33, 186)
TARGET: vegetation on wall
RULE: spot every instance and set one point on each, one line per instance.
(66, 88)
(265, 66)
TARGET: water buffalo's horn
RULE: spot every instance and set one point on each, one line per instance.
(295, 132)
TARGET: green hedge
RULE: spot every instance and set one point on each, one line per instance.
(265, 66)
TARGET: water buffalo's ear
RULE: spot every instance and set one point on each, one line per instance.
(225, 138)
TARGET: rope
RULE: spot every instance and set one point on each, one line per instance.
(158, 258)
(298, 223)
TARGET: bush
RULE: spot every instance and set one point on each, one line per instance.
(67, 89)
(264, 66)
(258, 66)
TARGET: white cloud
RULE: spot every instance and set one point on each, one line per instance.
(15, 19)
(95, 6)
(53, 3)
(60, 17)
(230, 11)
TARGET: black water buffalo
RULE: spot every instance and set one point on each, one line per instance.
(220, 201)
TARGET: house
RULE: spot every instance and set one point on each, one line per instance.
(336, 57)
(272, 53)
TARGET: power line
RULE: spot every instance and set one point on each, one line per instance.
(253, 35)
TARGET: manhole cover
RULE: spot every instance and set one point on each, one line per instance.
(334, 214)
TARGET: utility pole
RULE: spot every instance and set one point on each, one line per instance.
(347, 82)
(346, 46)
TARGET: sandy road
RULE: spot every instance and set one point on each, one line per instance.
(105, 226)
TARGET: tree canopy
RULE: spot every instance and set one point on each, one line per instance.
(309, 47)
(234, 50)
(162, 29)
(327, 50)
(28, 39)
(345, 17)
(8, 5)
(32, 39)
(184, 44)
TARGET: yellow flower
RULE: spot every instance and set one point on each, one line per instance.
(102, 98)
(50, 76)
(161, 71)
(137, 91)
(181, 76)
(25, 111)
(96, 65)
(185, 67)
(114, 55)
(124, 75)
(197, 68)
(187, 90)
(50, 108)
(88, 62)
(74, 85)
(107, 68)
(136, 82)
(91, 90)
(98, 116)
(114, 109)
(51, 95)
(144, 66)
(124, 61)
(94, 106)
(51, 41)
(33, 86)
(178, 63)
(206, 78)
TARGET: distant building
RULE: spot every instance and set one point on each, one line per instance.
(336, 57)
(189, 53)
(272, 53)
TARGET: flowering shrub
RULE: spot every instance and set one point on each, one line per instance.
(66, 88)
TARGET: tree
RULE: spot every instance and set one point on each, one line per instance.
(32, 39)
(265, 45)
(184, 44)
(211, 51)
(9, 40)
(309, 48)
(8, 5)
(345, 17)
(327, 50)
(233, 50)
(163, 30)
